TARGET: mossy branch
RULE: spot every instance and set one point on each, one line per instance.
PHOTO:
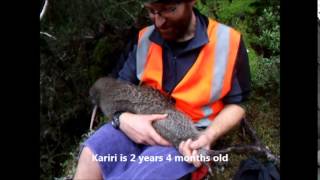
(256, 147)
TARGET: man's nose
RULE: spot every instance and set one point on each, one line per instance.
(159, 20)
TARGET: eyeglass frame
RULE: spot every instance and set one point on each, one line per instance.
(163, 13)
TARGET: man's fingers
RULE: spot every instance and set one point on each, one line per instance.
(196, 163)
(149, 142)
(181, 145)
(154, 117)
(158, 139)
(200, 142)
(186, 151)
(144, 140)
(197, 144)
(187, 144)
(184, 148)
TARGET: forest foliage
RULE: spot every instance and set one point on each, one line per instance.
(89, 38)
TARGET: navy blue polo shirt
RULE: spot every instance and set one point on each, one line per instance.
(178, 57)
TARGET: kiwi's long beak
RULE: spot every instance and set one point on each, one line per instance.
(93, 115)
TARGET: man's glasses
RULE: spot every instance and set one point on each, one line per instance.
(167, 12)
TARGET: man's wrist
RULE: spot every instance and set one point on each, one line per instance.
(212, 134)
(122, 119)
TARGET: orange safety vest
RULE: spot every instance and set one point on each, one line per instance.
(199, 94)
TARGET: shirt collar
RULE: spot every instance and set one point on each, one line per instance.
(200, 38)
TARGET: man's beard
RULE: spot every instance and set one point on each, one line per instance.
(178, 31)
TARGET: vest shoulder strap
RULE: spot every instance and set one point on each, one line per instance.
(142, 49)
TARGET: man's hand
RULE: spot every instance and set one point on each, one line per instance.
(139, 128)
(190, 148)
(228, 118)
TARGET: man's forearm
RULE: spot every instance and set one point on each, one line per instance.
(227, 119)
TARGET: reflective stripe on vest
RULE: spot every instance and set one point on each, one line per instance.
(200, 91)
(143, 47)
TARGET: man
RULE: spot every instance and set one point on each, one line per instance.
(202, 65)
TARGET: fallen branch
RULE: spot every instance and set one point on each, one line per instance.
(49, 35)
(247, 149)
(251, 132)
(256, 147)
